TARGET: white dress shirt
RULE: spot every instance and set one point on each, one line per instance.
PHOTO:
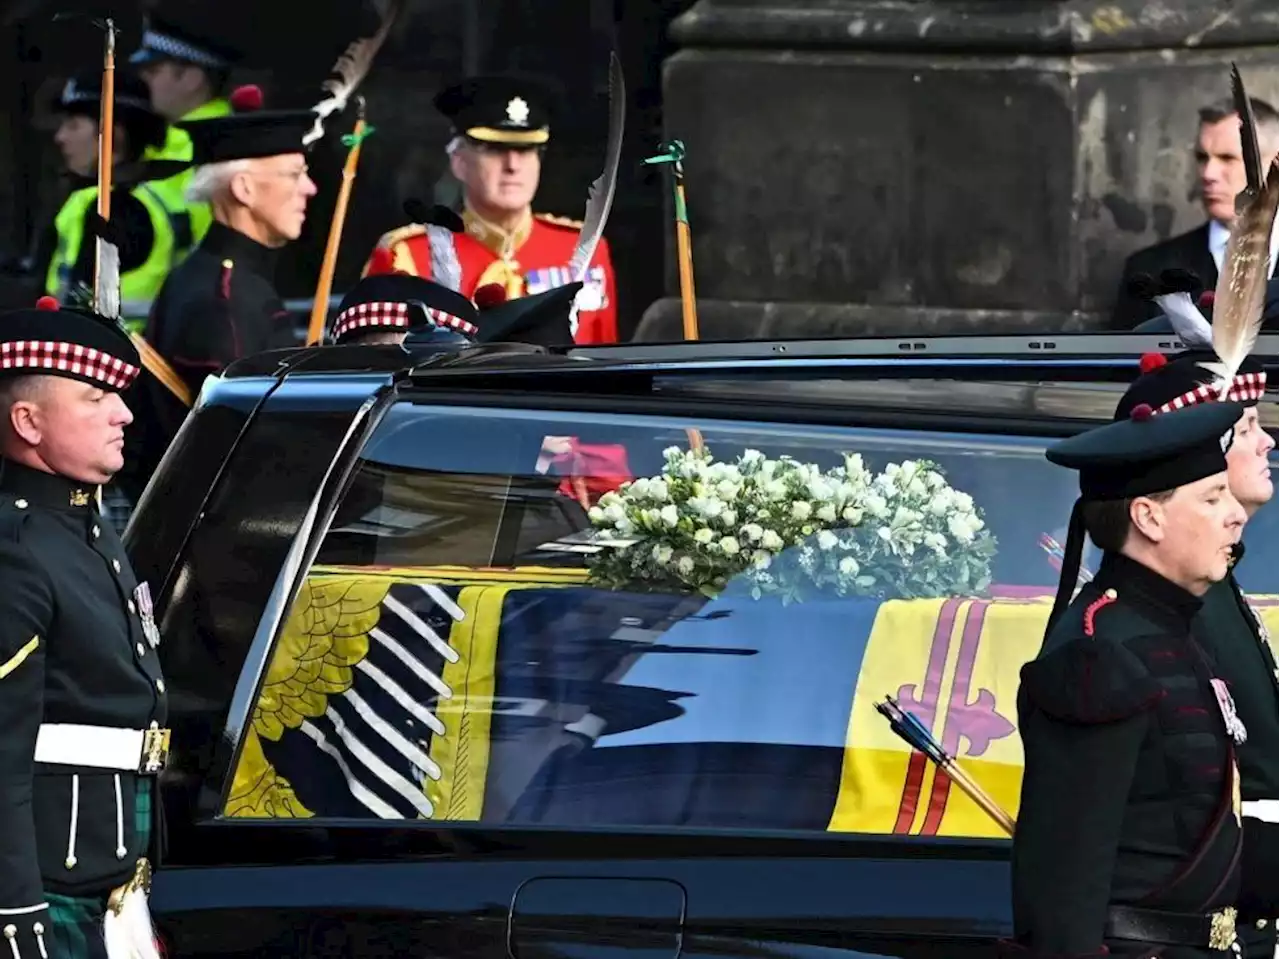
(1219, 235)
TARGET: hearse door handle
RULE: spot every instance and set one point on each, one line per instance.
(596, 917)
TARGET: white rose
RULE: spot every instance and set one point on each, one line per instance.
(935, 541)
(685, 565)
(964, 502)
(729, 545)
(853, 464)
(917, 488)
(670, 515)
(909, 466)
(662, 553)
(752, 532)
(712, 508)
(801, 510)
(761, 559)
(877, 506)
(703, 536)
(827, 539)
(595, 514)
(851, 515)
(771, 540)
(658, 490)
(729, 517)
(934, 480)
(827, 513)
(960, 528)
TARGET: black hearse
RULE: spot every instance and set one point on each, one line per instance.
(444, 687)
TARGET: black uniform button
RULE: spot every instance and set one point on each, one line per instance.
(160, 685)
(132, 608)
(142, 650)
(115, 564)
(96, 532)
(20, 503)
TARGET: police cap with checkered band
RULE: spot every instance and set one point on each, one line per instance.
(511, 110)
(52, 340)
(184, 31)
(400, 301)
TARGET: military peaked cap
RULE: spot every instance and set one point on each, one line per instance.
(55, 341)
(249, 131)
(511, 110)
(1147, 453)
(1171, 384)
(400, 301)
(543, 319)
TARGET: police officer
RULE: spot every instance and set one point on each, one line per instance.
(221, 304)
(80, 683)
(148, 236)
(501, 125)
(185, 59)
(1128, 836)
(385, 307)
(1228, 629)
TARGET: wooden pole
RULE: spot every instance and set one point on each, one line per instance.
(324, 285)
(106, 132)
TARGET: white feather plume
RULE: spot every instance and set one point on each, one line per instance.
(351, 69)
(1188, 322)
(600, 193)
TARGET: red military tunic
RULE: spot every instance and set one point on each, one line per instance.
(531, 259)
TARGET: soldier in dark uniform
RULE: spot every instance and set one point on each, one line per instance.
(221, 304)
(1128, 836)
(385, 307)
(82, 700)
(1230, 631)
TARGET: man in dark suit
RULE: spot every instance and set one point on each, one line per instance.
(1222, 176)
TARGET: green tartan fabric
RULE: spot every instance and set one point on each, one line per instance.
(76, 921)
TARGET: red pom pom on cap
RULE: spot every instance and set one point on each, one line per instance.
(491, 294)
(246, 99)
(49, 304)
(1141, 413)
(1152, 361)
(1206, 300)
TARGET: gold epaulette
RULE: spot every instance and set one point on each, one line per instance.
(563, 221)
(400, 234)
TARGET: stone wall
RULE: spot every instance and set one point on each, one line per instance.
(864, 167)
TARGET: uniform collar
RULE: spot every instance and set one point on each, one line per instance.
(494, 238)
(244, 253)
(1147, 589)
(47, 490)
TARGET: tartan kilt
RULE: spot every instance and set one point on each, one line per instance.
(76, 921)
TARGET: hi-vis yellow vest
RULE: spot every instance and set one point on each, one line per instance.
(136, 286)
(177, 146)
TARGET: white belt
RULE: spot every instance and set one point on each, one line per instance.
(103, 747)
(1268, 810)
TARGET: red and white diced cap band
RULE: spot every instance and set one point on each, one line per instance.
(55, 357)
(1245, 387)
(388, 315)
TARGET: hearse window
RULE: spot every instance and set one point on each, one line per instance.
(596, 621)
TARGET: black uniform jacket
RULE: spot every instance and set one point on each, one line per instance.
(1186, 251)
(218, 306)
(73, 650)
(1128, 792)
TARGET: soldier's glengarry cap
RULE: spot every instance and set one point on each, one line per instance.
(248, 132)
(1150, 453)
(1168, 384)
(54, 341)
(400, 301)
(505, 109)
(542, 319)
